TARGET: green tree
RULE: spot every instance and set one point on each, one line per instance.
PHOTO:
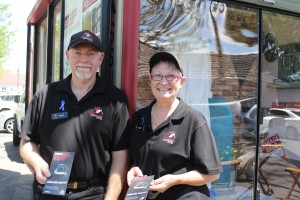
(6, 35)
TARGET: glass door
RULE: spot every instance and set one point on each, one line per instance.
(279, 127)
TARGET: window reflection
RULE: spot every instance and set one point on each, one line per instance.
(217, 45)
(279, 156)
(87, 18)
(41, 54)
(56, 42)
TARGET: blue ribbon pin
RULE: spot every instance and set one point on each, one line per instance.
(143, 123)
(62, 105)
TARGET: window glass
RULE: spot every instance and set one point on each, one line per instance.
(56, 42)
(280, 93)
(297, 113)
(80, 15)
(42, 54)
(217, 45)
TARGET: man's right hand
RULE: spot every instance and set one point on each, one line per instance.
(41, 171)
(37, 165)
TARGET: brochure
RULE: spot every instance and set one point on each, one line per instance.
(60, 169)
(139, 188)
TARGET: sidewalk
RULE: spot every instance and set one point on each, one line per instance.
(15, 177)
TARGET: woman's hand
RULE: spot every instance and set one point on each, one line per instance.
(133, 172)
(193, 178)
(163, 183)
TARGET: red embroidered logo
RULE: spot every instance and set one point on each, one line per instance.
(97, 113)
(170, 137)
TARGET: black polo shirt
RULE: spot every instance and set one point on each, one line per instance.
(182, 143)
(92, 127)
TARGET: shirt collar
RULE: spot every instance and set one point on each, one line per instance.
(180, 111)
(176, 116)
(65, 85)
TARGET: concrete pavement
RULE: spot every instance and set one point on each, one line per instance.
(15, 181)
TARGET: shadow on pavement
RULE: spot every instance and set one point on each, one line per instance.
(15, 186)
(4, 131)
(13, 152)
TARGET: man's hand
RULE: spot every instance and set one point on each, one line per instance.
(36, 164)
(41, 171)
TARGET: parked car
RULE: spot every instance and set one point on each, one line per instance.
(7, 120)
(18, 118)
(10, 96)
(7, 105)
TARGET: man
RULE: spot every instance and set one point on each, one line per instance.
(80, 114)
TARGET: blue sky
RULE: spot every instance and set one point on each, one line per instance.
(20, 10)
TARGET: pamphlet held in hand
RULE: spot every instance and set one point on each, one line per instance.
(60, 169)
(139, 188)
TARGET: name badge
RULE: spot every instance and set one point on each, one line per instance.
(60, 115)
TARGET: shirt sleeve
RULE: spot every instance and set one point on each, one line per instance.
(204, 152)
(30, 124)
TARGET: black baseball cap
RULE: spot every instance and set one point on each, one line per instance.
(87, 37)
(164, 56)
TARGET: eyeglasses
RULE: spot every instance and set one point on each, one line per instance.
(169, 78)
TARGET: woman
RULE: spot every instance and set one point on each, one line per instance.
(171, 140)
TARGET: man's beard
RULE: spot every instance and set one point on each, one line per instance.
(83, 73)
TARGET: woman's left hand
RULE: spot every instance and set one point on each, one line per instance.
(193, 178)
(163, 183)
(133, 172)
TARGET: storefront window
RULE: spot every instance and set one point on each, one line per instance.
(217, 45)
(279, 152)
(56, 42)
(81, 15)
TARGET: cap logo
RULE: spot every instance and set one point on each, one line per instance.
(87, 36)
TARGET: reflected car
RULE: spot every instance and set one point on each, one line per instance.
(292, 120)
(7, 120)
(288, 126)
(270, 123)
(249, 119)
